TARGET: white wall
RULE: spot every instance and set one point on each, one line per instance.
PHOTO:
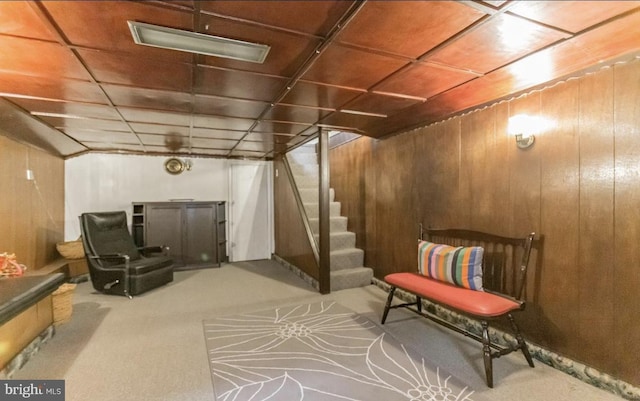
(106, 182)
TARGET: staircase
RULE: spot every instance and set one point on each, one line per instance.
(346, 260)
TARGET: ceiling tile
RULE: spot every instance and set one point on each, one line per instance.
(217, 133)
(379, 104)
(224, 123)
(108, 146)
(120, 68)
(414, 62)
(351, 68)
(128, 96)
(210, 152)
(572, 16)
(247, 153)
(163, 150)
(19, 18)
(75, 18)
(236, 84)
(499, 41)
(45, 59)
(159, 129)
(157, 117)
(495, 3)
(85, 123)
(276, 127)
(16, 85)
(613, 40)
(202, 143)
(288, 51)
(312, 17)
(37, 106)
(350, 122)
(89, 135)
(228, 107)
(308, 115)
(254, 146)
(272, 138)
(171, 143)
(316, 95)
(424, 80)
(408, 28)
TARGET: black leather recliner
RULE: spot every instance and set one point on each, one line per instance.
(116, 265)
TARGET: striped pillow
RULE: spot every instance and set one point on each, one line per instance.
(461, 266)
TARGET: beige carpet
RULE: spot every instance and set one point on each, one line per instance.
(153, 347)
(319, 352)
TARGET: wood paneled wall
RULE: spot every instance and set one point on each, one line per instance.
(31, 212)
(291, 241)
(578, 186)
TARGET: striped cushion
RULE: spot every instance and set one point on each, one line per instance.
(461, 266)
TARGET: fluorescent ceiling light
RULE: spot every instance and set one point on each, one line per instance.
(363, 113)
(193, 42)
(59, 115)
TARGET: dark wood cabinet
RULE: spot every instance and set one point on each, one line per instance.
(195, 232)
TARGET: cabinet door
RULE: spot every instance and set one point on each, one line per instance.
(163, 227)
(200, 240)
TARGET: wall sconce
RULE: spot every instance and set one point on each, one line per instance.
(524, 141)
(522, 126)
(176, 166)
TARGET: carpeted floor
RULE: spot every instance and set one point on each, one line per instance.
(319, 352)
(152, 348)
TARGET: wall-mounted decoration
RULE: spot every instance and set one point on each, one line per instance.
(176, 166)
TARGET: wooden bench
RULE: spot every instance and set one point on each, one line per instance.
(504, 263)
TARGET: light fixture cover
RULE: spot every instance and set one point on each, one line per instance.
(193, 42)
(524, 126)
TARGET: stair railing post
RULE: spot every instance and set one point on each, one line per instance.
(323, 199)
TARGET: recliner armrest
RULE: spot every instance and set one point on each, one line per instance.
(112, 256)
(146, 250)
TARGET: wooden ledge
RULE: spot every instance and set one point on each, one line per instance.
(57, 266)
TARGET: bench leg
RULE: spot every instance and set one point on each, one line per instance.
(486, 350)
(392, 290)
(521, 344)
(419, 303)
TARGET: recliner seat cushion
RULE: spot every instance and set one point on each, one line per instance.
(146, 265)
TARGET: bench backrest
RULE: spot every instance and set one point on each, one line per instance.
(505, 259)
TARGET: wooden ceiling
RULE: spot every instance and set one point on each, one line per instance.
(72, 80)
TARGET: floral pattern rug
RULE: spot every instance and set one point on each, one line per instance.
(320, 351)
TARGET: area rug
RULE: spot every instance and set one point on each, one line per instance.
(319, 352)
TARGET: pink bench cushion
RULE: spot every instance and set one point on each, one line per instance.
(477, 303)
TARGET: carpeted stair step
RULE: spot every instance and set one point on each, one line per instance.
(306, 181)
(305, 169)
(351, 278)
(310, 195)
(302, 158)
(346, 258)
(340, 240)
(313, 209)
(336, 224)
